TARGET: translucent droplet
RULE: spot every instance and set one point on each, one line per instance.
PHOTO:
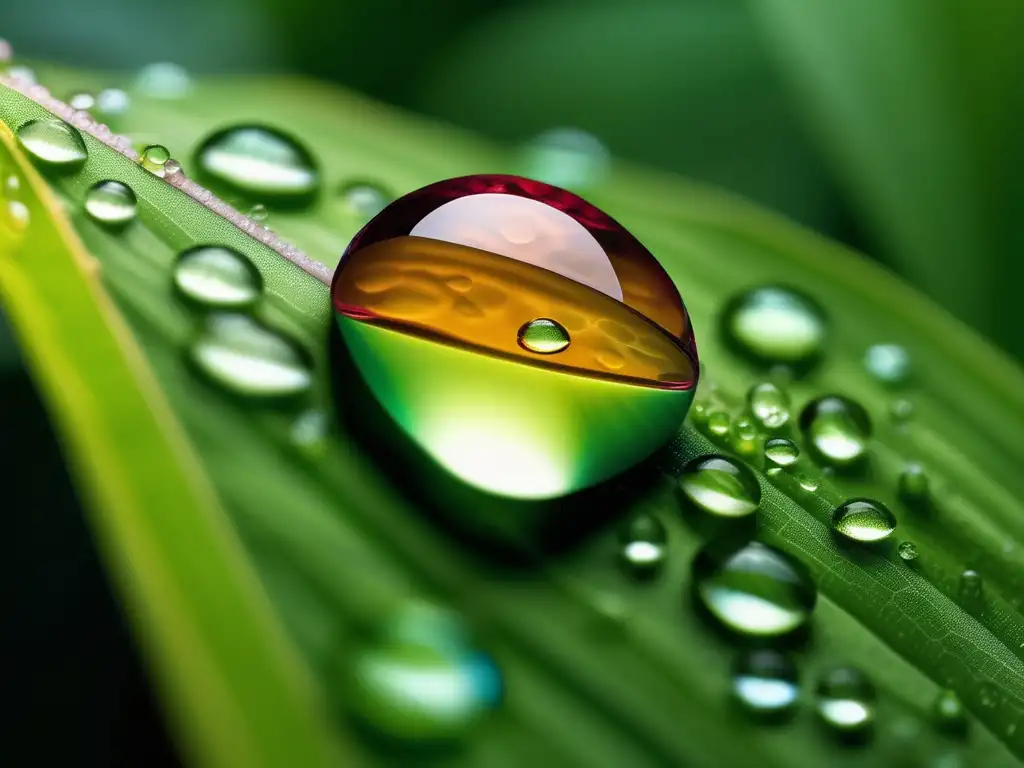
(217, 276)
(949, 712)
(720, 486)
(775, 324)
(913, 483)
(82, 100)
(543, 336)
(17, 216)
(53, 143)
(887, 363)
(111, 202)
(259, 162)
(970, 586)
(781, 451)
(863, 520)
(907, 550)
(989, 695)
(764, 681)
(258, 212)
(112, 102)
(769, 405)
(900, 411)
(172, 168)
(163, 80)
(154, 159)
(837, 428)
(363, 199)
(309, 431)
(753, 588)
(566, 157)
(719, 423)
(846, 700)
(643, 545)
(249, 359)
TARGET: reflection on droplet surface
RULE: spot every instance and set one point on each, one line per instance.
(764, 681)
(970, 586)
(217, 276)
(769, 405)
(17, 216)
(846, 699)
(720, 486)
(913, 483)
(543, 336)
(111, 202)
(53, 143)
(949, 713)
(112, 102)
(775, 324)
(719, 423)
(863, 520)
(364, 200)
(781, 451)
(81, 100)
(154, 159)
(887, 363)
(643, 545)
(837, 428)
(907, 551)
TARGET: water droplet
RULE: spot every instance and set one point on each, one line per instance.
(258, 212)
(989, 694)
(258, 161)
(111, 202)
(309, 431)
(775, 324)
(900, 411)
(112, 102)
(719, 423)
(769, 405)
(81, 100)
(907, 550)
(12, 186)
(764, 681)
(643, 545)
(720, 486)
(154, 159)
(753, 588)
(781, 451)
(17, 216)
(163, 80)
(172, 168)
(543, 336)
(363, 200)
(241, 355)
(217, 276)
(53, 143)
(887, 363)
(863, 520)
(970, 586)
(949, 712)
(566, 157)
(913, 483)
(846, 699)
(838, 428)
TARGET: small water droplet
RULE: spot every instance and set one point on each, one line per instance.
(217, 276)
(172, 168)
(769, 405)
(258, 212)
(745, 436)
(12, 186)
(249, 359)
(53, 143)
(261, 162)
(543, 336)
(309, 430)
(900, 411)
(913, 483)
(720, 486)
(17, 216)
(846, 700)
(363, 199)
(112, 102)
(775, 324)
(111, 202)
(163, 80)
(781, 451)
(81, 100)
(643, 545)
(863, 520)
(907, 550)
(949, 712)
(837, 428)
(719, 423)
(753, 588)
(970, 586)
(989, 694)
(565, 157)
(154, 159)
(764, 681)
(887, 363)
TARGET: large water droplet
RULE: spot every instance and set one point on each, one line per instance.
(249, 359)
(950, 713)
(643, 545)
(764, 681)
(775, 324)
(888, 363)
(769, 405)
(111, 202)
(154, 159)
(217, 276)
(261, 162)
(720, 486)
(781, 451)
(863, 520)
(838, 429)
(363, 199)
(907, 551)
(543, 336)
(846, 700)
(566, 157)
(753, 588)
(53, 143)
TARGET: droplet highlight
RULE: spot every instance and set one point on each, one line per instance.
(217, 276)
(907, 551)
(720, 486)
(765, 682)
(846, 700)
(949, 713)
(769, 405)
(837, 428)
(887, 363)
(863, 520)
(111, 203)
(566, 157)
(643, 545)
(154, 159)
(775, 324)
(53, 143)
(781, 451)
(543, 336)
(363, 200)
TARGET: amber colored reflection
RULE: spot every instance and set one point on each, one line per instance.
(471, 297)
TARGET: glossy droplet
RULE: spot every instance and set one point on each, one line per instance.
(753, 588)
(566, 157)
(111, 203)
(863, 520)
(309, 431)
(172, 169)
(907, 550)
(900, 411)
(837, 428)
(721, 486)
(764, 681)
(261, 162)
(913, 483)
(775, 324)
(970, 586)
(769, 405)
(949, 713)
(217, 276)
(154, 159)
(258, 212)
(781, 451)
(363, 199)
(249, 359)
(719, 423)
(112, 102)
(53, 143)
(17, 216)
(163, 80)
(643, 545)
(846, 699)
(81, 100)
(543, 336)
(887, 363)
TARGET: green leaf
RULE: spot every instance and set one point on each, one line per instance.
(600, 670)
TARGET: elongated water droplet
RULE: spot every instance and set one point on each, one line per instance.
(753, 588)
(769, 405)
(154, 159)
(970, 586)
(887, 363)
(913, 483)
(908, 550)
(249, 359)
(949, 712)
(781, 451)
(720, 486)
(566, 157)
(163, 80)
(837, 428)
(643, 545)
(111, 202)
(764, 681)
(863, 520)
(81, 100)
(217, 276)
(846, 700)
(363, 199)
(543, 336)
(53, 143)
(259, 162)
(775, 324)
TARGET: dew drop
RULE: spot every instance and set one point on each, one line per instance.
(913, 483)
(775, 324)
(769, 405)
(907, 550)
(112, 102)
(172, 169)
(17, 216)
(543, 336)
(566, 157)
(259, 161)
(949, 713)
(753, 589)
(887, 363)
(846, 700)
(970, 586)
(249, 359)
(81, 100)
(217, 276)
(111, 202)
(719, 423)
(720, 486)
(764, 681)
(863, 520)
(363, 200)
(781, 451)
(53, 143)
(258, 212)
(900, 411)
(837, 428)
(154, 159)
(163, 80)
(643, 545)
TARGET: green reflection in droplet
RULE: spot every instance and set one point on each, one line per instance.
(863, 520)
(111, 203)
(52, 143)
(543, 336)
(837, 428)
(217, 276)
(775, 324)
(720, 486)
